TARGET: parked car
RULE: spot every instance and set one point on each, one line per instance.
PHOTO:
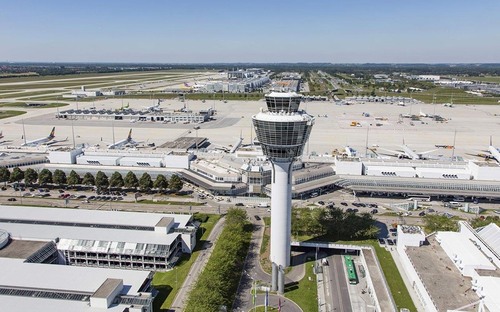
(257, 217)
(239, 204)
(390, 242)
(344, 204)
(381, 241)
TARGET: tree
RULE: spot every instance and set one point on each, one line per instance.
(116, 180)
(101, 180)
(175, 184)
(30, 176)
(4, 175)
(16, 175)
(59, 177)
(161, 182)
(145, 183)
(131, 180)
(73, 178)
(45, 177)
(435, 223)
(88, 179)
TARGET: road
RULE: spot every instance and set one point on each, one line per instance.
(337, 294)
(197, 267)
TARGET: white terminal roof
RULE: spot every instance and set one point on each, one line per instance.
(490, 285)
(92, 238)
(16, 273)
(464, 249)
(491, 235)
(64, 278)
(98, 239)
(90, 216)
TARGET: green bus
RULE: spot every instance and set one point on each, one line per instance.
(351, 270)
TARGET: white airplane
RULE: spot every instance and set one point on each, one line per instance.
(124, 143)
(495, 153)
(154, 108)
(48, 140)
(408, 153)
(350, 152)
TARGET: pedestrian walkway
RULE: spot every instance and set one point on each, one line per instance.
(413, 295)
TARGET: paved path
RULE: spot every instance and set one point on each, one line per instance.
(379, 284)
(253, 271)
(336, 292)
(411, 290)
(287, 305)
(197, 267)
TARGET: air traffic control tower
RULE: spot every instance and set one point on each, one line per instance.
(282, 131)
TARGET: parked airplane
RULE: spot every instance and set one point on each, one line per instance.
(48, 140)
(408, 153)
(349, 151)
(154, 108)
(124, 143)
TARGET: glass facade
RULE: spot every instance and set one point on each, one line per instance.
(276, 104)
(283, 139)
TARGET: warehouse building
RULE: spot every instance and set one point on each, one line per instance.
(111, 239)
(468, 265)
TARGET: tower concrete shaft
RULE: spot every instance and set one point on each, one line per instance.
(281, 220)
(282, 131)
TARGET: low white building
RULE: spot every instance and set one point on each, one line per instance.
(125, 240)
(464, 254)
(50, 287)
(409, 235)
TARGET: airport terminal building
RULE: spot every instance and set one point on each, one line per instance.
(84, 260)
(110, 239)
(469, 266)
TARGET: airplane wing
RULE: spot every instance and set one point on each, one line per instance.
(392, 151)
(55, 141)
(427, 152)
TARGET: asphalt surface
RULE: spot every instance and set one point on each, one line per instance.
(253, 272)
(337, 294)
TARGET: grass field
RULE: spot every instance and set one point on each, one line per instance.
(305, 292)
(495, 79)
(10, 113)
(23, 105)
(26, 94)
(168, 283)
(95, 80)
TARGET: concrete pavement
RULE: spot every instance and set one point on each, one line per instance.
(197, 267)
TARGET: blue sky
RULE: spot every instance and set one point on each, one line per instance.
(342, 31)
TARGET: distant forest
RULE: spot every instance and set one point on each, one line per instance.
(45, 69)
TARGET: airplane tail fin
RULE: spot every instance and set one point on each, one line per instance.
(52, 133)
(491, 140)
(129, 137)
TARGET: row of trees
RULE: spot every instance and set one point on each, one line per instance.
(100, 180)
(333, 223)
(218, 283)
